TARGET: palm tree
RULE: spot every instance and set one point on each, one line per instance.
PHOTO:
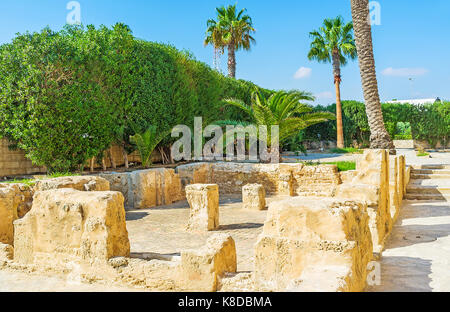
(333, 43)
(232, 30)
(283, 108)
(214, 38)
(379, 137)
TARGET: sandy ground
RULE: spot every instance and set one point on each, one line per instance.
(162, 230)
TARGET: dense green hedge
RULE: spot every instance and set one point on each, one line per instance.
(66, 96)
(429, 123)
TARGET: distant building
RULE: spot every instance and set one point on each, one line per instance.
(415, 101)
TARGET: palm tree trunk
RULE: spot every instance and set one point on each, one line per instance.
(337, 83)
(231, 61)
(379, 137)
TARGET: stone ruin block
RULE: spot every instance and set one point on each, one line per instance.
(144, 189)
(327, 278)
(68, 225)
(301, 233)
(204, 202)
(119, 182)
(373, 170)
(394, 196)
(201, 269)
(401, 177)
(170, 187)
(370, 195)
(195, 173)
(254, 197)
(315, 180)
(80, 183)
(348, 176)
(8, 213)
(286, 180)
(6, 253)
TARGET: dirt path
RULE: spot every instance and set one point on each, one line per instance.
(417, 255)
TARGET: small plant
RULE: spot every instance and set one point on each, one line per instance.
(147, 142)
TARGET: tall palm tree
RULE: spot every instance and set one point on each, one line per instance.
(334, 43)
(379, 137)
(232, 30)
(214, 38)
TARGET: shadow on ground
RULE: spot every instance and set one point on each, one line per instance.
(404, 274)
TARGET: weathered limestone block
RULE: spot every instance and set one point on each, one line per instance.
(370, 195)
(394, 196)
(119, 182)
(316, 180)
(231, 177)
(80, 183)
(302, 232)
(373, 169)
(8, 213)
(254, 197)
(329, 278)
(348, 176)
(202, 269)
(6, 252)
(204, 202)
(401, 177)
(282, 179)
(286, 180)
(195, 173)
(143, 189)
(69, 225)
(407, 177)
(170, 190)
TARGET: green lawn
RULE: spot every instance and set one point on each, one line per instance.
(29, 182)
(342, 165)
(347, 150)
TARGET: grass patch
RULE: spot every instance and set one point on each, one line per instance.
(341, 165)
(61, 174)
(31, 182)
(347, 150)
(28, 182)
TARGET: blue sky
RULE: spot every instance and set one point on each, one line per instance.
(411, 42)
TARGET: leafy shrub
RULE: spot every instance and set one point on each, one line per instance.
(66, 96)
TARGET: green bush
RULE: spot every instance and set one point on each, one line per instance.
(430, 123)
(66, 96)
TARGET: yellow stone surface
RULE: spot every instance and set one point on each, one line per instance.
(304, 232)
(254, 197)
(80, 183)
(201, 269)
(66, 224)
(204, 202)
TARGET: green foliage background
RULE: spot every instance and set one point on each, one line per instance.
(66, 96)
(429, 123)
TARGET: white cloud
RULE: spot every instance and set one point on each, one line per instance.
(303, 72)
(405, 72)
(324, 95)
